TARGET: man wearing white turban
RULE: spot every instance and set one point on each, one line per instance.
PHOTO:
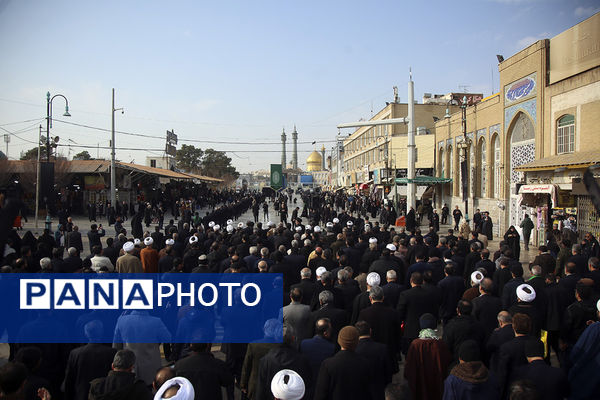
(287, 385)
(177, 388)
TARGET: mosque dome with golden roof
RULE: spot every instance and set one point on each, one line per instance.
(314, 161)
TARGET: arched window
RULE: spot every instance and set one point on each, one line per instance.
(483, 167)
(565, 134)
(496, 172)
(443, 163)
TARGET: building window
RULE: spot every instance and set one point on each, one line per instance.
(451, 168)
(483, 167)
(565, 134)
(153, 163)
(443, 163)
(496, 166)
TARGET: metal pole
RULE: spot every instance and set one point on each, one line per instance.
(38, 180)
(48, 110)
(465, 172)
(410, 187)
(113, 177)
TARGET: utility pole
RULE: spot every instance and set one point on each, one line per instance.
(113, 175)
(38, 179)
(410, 188)
(410, 120)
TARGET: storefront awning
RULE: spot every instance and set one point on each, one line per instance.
(423, 180)
(528, 194)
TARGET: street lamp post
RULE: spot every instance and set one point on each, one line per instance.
(49, 119)
(113, 174)
(463, 168)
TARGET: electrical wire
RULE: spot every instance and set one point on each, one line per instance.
(182, 139)
(23, 122)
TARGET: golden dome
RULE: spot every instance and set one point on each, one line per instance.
(314, 157)
(313, 162)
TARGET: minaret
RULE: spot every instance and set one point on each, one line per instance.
(283, 166)
(323, 158)
(295, 149)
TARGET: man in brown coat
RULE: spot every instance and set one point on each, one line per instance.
(149, 256)
(128, 263)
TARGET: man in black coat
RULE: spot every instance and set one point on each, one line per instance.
(502, 334)
(338, 317)
(94, 235)
(413, 303)
(512, 353)
(348, 288)
(381, 362)
(121, 382)
(345, 376)
(463, 327)
(486, 307)
(488, 265)
(87, 363)
(452, 288)
(73, 262)
(384, 264)
(383, 322)
(284, 356)
(206, 373)
(74, 239)
(306, 285)
(545, 260)
(579, 259)
(509, 292)
(550, 382)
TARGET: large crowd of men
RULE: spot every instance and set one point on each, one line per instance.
(371, 310)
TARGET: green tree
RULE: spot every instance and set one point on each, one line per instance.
(32, 154)
(84, 155)
(189, 158)
(217, 165)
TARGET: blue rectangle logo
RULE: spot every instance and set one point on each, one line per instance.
(141, 308)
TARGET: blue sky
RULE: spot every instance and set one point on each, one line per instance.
(240, 71)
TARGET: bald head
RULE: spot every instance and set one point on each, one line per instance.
(504, 318)
(162, 375)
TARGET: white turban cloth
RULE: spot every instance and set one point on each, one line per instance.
(185, 392)
(287, 385)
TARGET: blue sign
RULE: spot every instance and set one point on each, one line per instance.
(141, 308)
(520, 89)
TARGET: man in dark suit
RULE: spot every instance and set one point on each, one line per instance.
(578, 259)
(463, 327)
(452, 288)
(379, 358)
(486, 263)
(283, 356)
(285, 268)
(569, 281)
(306, 285)
(318, 348)
(74, 239)
(338, 317)
(94, 235)
(486, 307)
(413, 303)
(512, 353)
(345, 376)
(206, 373)
(550, 382)
(383, 322)
(545, 260)
(347, 287)
(73, 262)
(391, 290)
(502, 334)
(509, 293)
(87, 363)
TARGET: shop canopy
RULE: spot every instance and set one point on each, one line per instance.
(529, 194)
(423, 180)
